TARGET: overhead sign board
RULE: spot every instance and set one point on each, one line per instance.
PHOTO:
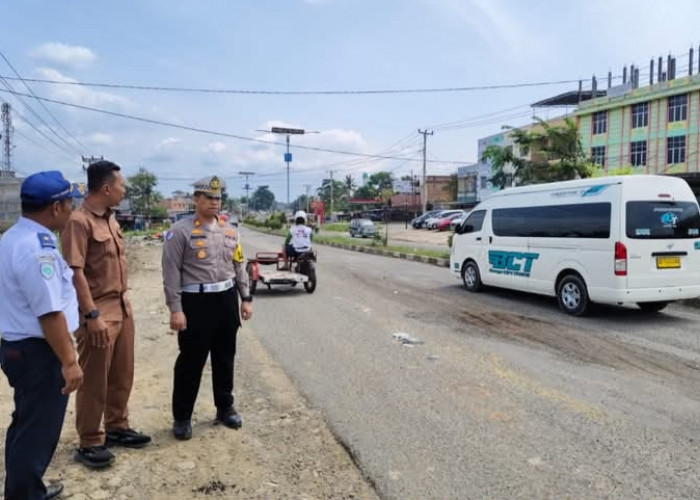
(283, 130)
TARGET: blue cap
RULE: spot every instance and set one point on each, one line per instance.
(46, 187)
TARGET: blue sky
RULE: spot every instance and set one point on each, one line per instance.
(305, 45)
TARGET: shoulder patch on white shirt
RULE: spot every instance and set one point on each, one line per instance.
(46, 269)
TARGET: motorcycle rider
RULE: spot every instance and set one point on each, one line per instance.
(298, 240)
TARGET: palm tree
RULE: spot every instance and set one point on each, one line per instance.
(350, 184)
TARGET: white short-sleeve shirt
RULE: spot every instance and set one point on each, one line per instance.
(34, 280)
(301, 237)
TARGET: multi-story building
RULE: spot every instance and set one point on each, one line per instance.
(648, 130)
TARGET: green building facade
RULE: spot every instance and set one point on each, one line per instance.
(648, 130)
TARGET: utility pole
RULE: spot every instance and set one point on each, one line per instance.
(246, 187)
(288, 156)
(87, 160)
(331, 211)
(424, 185)
(6, 139)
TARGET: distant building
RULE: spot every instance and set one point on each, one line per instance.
(10, 204)
(180, 203)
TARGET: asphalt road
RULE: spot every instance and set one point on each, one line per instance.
(506, 397)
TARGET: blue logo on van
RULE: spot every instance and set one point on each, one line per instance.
(512, 263)
(595, 190)
(697, 245)
(669, 219)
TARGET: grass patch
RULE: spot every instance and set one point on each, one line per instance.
(277, 232)
(423, 252)
(347, 240)
(336, 227)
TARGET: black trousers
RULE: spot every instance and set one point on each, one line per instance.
(34, 372)
(213, 320)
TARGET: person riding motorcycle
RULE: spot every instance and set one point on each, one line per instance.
(298, 241)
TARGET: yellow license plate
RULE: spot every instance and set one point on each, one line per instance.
(668, 262)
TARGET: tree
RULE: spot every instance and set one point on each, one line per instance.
(381, 181)
(341, 197)
(141, 193)
(555, 154)
(366, 192)
(350, 184)
(262, 199)
(452, 187)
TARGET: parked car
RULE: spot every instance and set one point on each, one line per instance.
(444, 223)
(419, 221)
(458, 221)
(362, 227)
(430, 223)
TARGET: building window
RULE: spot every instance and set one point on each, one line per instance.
(640, 115)
(675, 150)
(678, 108)
(638, 153)
(598, 155)
(600, 122)
(484, 182)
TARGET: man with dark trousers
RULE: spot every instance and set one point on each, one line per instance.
(38, 313)
(203, 274)
(94, 248)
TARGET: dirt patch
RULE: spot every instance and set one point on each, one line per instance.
(284, 449)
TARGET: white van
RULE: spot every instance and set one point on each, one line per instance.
(615, 240)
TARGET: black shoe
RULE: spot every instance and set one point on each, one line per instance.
(230, 418)
(94, 457)
(53, 490)
(127, 438)
(182, 429)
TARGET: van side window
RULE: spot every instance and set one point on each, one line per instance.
(474, 222)
(582, 220)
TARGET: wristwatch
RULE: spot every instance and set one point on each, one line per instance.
(92, 314)
(248, 298)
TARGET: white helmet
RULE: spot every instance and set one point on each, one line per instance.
(299, 214)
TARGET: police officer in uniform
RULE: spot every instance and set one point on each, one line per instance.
(203, 273)
(38, 313)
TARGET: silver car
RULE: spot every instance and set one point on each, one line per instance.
(362, 227)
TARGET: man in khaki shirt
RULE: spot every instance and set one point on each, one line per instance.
(93, 246)
(203, 274)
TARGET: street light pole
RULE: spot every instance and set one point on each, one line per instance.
(288, 156)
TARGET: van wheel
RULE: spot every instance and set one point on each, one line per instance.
(652, 307)
(573, 296)
(471, 277)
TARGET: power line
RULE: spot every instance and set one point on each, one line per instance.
(38, 130)
(298, 92)
(18, 96)
(42, 104)
(222, 134)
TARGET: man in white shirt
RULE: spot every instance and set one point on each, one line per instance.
(298, 240)
(38, 313)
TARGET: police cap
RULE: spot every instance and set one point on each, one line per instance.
(211, 185)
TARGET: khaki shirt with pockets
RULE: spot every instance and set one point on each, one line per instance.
(194, 254)
(94, 243)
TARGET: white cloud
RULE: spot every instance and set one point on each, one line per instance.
(77, 94)
(100, 138)
(215, 147)
(70, 56)
(167, 150)
(213, 153)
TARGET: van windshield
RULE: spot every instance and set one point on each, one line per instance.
(662, 219)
